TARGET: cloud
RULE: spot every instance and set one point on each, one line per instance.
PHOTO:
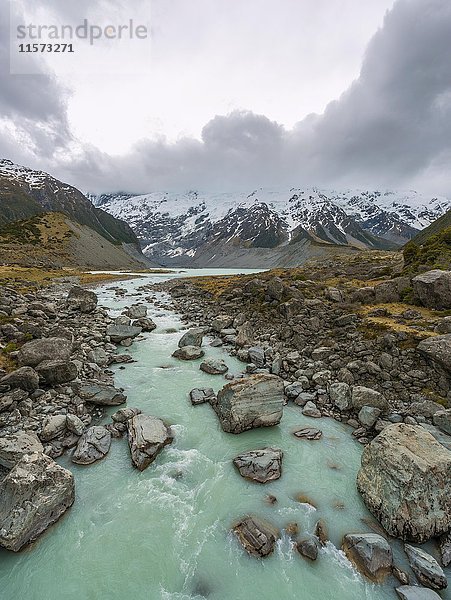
(390, 128)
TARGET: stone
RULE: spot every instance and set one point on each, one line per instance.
(124, 414)
(98, 356)
(414, 592)
(340, 395)
(260, 465)
(308, 433)
(437, 349)
(119, 333)
(425, 408)
(445, 549)
(33, 495)
(34, 352)
(53, 426)
(250, 402)
(427, 570)
(258, 537)
(308, 548)
(370, 553)
(101, 394)
(257, 356)
(442, 420)
(245, 335)
(24, 378)
(321, 532)
(136, 311)
(293, 390)
(193, 337)
(75, 425)
(188, 353)
(145, 323)
(433, 288)
(276, 289)
(363, 396)
(310, 410)
(368, 415)
(405, 482)
(214, 366)
(82, 300)
(56, 372)
(443, 326)
(93, 445)
(14, 447)
(202, 395)
(221, 322)
(147, 436)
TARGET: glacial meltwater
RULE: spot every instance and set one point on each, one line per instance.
(164, 534)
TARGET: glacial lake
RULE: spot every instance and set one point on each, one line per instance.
(164, 534)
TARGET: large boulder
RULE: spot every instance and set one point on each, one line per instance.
(119, 333)
(54, 372)
(93, 445)
(136, 311)
(34, 352)
(414, 592)
(145, 323)
(202, 395)
(101, 394)
(221, 322)
(14, 447)
(258, 537)
(34, 494)
(442, 420)
(405, 482)
(255, 401)
(371, 554)
(188, 353)
(363, 396)
(24, 378)
(193, 337)
(80, 299)
(214, 366)
(427, 570)
(433, 288)
(437, 349)
(147, 436)
(53, 427)
(260, 465)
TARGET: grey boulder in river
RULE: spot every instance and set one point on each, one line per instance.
(260, 465)
(147, 436)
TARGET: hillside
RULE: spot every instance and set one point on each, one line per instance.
(431, 248)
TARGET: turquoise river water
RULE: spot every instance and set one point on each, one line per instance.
(164, 534)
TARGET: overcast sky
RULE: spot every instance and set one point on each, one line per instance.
(236, 94)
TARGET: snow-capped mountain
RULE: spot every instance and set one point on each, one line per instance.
(196, 228)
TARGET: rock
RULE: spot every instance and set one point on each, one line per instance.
(445, 549)
(260, 465)
(98, 356)
(202, 395)
(245, 335)
(124, 414)
(101, 394)
(405, 482)
(370, 553)
(147, 436)
(293, 390)
(75, 425)
(437, 349)
(442, 420)
(93, 445)
(310, 410)
(258, 537)
(433, 289)
(321, 532)
(136, 311)
(34, 352)
(308, 433)
(214, 366)
(34, 494)
(24, 378)
(340, 395)
(308, 548)
(13, 447)
(254, 401)
(119, 333)
(257, 356)
(221, 322)
(425, 408)
(53, 427)
(363, 396)
(56, 372)
(145, 323)
(80, 299)
(193, 337)
(276, 289)
(368, 415)
(188, 353)
(400, 575)
(443, 326)
(413, 592)
(427, 570)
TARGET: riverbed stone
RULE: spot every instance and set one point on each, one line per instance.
(202, 395)
(101, 394)
(311, 410)
(188, 353)
(308, 433)
(99, 357)
(193, 337)
(119, 333)
(221, 322)
(445, 549)
(146, 324)
(13, 447)
(260, 465)
(56, 372)
(308, 548)
(363, 396)
(414, 592)
(214, 366)
(442, 420)
(427, 570)
(433, 288)
(33, 495)
(81, 300)
(147, 436)
(75, 425)
(405, 482)
(368, 415)
(24, 378)
(257, 356)
(136, 311)
(437, 349)
(250, 402)
(370, 553)
(93, 445)
(124, 414)
(340, 395)
(34, 352)
(54, 426)
(257, 536)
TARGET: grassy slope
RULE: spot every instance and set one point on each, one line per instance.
(431, 248)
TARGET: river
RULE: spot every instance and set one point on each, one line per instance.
(163, 534)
